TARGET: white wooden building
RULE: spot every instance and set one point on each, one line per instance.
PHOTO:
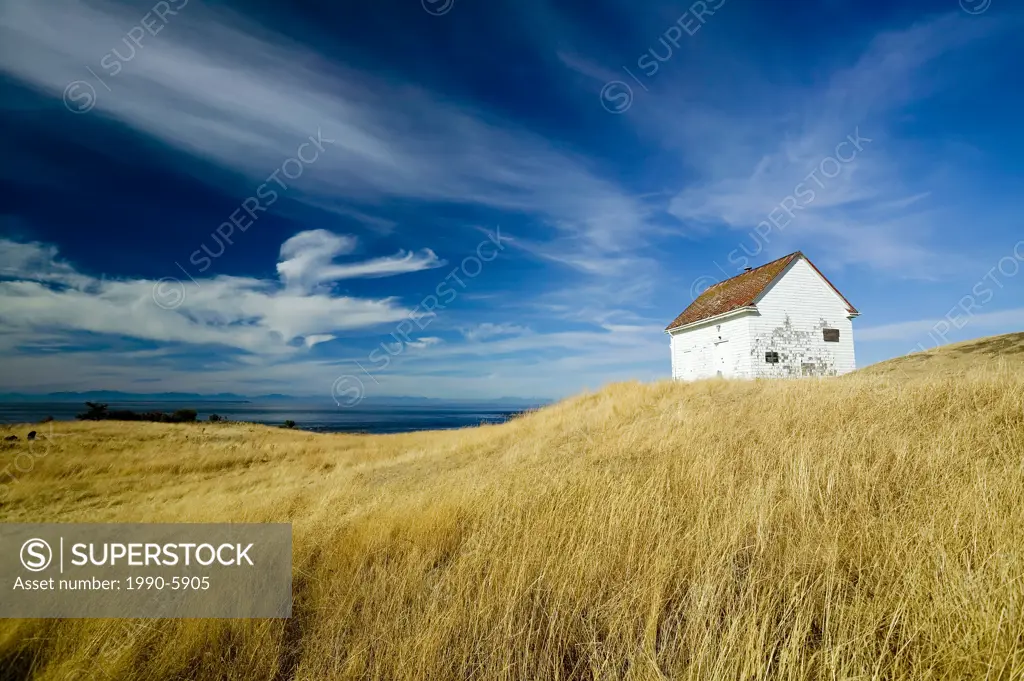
(779, 320)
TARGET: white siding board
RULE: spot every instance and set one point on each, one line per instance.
(693, 350)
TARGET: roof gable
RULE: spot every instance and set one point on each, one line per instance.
(742, 291)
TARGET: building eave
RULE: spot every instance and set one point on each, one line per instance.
(748, 309)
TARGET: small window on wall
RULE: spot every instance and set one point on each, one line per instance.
(831, 335)
(771, 357)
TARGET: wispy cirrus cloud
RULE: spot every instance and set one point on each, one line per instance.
(221, 88)
(879, 210)
(923, 330)
(489, 330)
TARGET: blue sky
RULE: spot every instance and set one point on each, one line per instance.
(482, 199)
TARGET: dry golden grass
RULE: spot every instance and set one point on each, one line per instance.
(854, 528)
(992, 352)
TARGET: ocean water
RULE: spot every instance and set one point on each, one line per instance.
(318, 418)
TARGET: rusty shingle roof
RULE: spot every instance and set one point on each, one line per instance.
(741, 291)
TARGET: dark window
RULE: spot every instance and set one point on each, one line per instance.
(831, 335)
(771, 357)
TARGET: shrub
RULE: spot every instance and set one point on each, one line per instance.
(99, 412)
(216, 418)
(289, 424)
(184, 416)
(96, 412)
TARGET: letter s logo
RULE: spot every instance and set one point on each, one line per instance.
(36, 555)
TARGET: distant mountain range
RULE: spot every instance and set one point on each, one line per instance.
(115, 396)
(118, 396)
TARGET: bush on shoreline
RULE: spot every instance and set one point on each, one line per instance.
(100, 412)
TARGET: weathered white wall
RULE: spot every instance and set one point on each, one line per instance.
(693, 351)
(793, 312)
(789, 320)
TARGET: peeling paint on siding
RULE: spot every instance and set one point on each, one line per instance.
(798, 354)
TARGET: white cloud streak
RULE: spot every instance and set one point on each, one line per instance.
(307, 261)
(489, 330)
(41, 295)
(918, 330)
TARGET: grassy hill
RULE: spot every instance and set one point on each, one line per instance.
(863, 527)
(1007, 350)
